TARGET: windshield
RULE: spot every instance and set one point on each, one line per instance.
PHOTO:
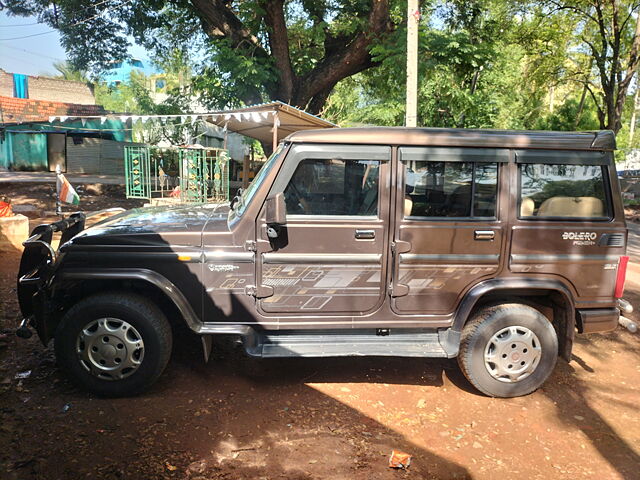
(251, 190)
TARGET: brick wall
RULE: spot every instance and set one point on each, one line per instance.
(21, 110)
(51, 89)
(6, 84)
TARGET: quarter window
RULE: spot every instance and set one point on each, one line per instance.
(450, 189)
(333, 187)
(562, 191)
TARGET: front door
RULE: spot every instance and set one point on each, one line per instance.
(330, 259)
(57, 151)
(448, 234)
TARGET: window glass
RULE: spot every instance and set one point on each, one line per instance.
(450, 189)
(484, 201)
(333, 187)
(251, 190)
(562, 191)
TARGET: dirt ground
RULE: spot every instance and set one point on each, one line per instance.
(315, 418)
(37, 200)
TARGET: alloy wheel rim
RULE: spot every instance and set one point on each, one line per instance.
(110, 348)
(512, 354)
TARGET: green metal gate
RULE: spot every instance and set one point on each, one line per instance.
(137, 172)
(202, 174)
(193, 187)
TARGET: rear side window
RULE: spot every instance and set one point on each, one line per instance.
(333, 187)
(563, 191)
(450, 189)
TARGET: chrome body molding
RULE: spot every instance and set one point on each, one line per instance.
(303, 258)
(465, 259)
(570, 258)
(225, 256)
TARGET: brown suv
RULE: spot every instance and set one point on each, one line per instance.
(494, 247)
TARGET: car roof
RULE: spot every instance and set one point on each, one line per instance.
(521, 139)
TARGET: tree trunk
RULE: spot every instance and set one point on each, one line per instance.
(632, 123)
(616, 97)
(344, 56)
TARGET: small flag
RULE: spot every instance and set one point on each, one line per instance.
(66, 193)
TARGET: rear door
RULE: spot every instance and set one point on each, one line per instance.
(448, 232)
(566, 225)
(330, 259)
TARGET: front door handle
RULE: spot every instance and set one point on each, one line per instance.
(365, 234)
(486, 235)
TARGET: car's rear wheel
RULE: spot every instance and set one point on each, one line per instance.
(508, 350)
(114, 344)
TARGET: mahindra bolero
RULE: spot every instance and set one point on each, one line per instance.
(492, 247)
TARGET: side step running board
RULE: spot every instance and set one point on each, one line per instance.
(341, 345)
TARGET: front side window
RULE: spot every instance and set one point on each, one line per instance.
(450, 189)
(333, 187)
(251, 190)
(562, 191)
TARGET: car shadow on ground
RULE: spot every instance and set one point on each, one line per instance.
(286, 371)
(574, 410)
(236, 419)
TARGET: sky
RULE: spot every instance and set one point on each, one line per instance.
(34, 55)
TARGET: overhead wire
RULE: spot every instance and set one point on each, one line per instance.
(32, 53)
(71, 25)
(20, 25)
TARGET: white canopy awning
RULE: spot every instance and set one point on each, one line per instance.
(267, 122)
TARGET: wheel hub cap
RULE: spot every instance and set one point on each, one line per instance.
(110, 348)
(512, 354)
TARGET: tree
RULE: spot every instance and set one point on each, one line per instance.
(67, 72)
(470, 72)
(258, 50)
(606, 33)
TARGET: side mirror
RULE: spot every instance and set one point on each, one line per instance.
(276, 210)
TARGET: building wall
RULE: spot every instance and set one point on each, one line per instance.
(51, 89)
(24, 151)
(24, 110)
(120, 72)
(6, 84)
(96, 156)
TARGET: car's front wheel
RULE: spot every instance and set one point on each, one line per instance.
(508, 350)
(114, 344)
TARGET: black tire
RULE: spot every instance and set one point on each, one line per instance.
(148, 322)
(489, 321)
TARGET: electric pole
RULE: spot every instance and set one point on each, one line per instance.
(413, 18)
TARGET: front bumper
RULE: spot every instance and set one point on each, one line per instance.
(37, 266)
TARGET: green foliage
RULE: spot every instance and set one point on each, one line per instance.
(483, 63)
(67, 72)
(237, 62)
(568, 117)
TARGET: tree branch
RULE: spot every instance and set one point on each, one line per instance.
(349, 60)
(221, 22)
(563, 6)
(279, 43)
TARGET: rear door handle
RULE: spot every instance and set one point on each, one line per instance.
(485, 235)
(365, 234)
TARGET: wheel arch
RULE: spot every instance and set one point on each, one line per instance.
(549, 294)
(138, 279)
